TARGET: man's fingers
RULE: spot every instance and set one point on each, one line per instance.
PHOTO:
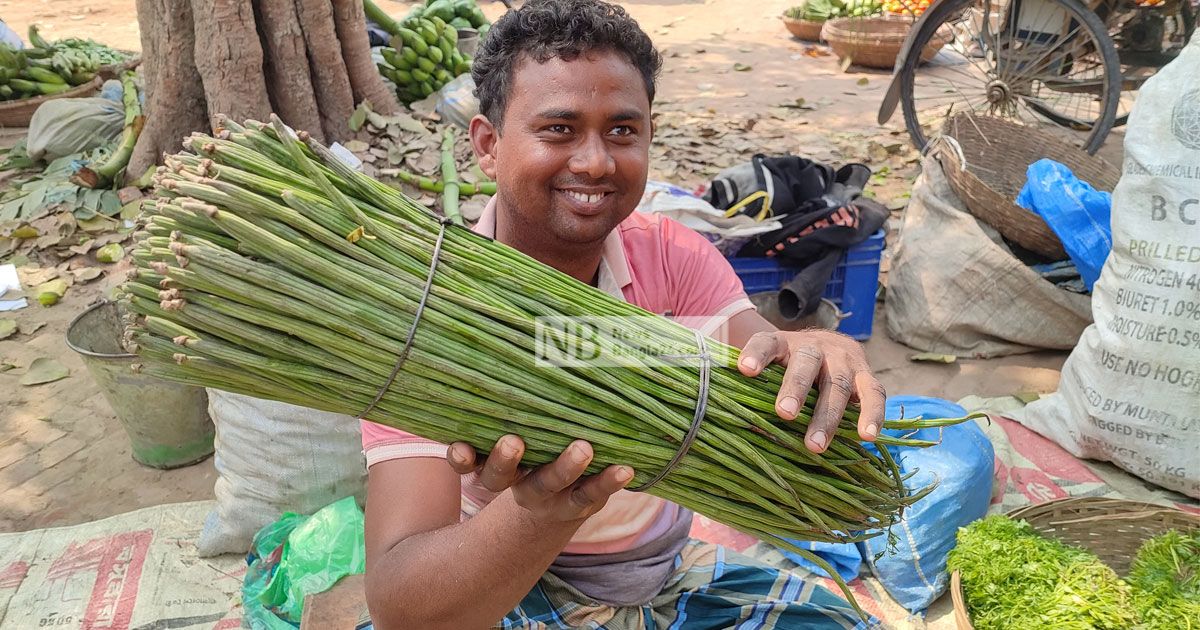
(556, 476)
(836, 386)
(872, 399)
(762, 349)
(595, 490)
(802, 368)
(502, 467)
(461, 457)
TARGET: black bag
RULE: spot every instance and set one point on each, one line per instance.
(822, 214)
(774, 186)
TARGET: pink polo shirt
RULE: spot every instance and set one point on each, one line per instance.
(658, 265)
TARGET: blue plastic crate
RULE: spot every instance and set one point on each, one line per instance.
(851, 287)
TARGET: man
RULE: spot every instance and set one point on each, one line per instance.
(565, 88)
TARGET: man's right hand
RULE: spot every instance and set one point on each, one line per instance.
(555, 492)
(426, 568)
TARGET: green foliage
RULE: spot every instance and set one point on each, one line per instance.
(1015, 579)
(1166, 581)
(32, 195)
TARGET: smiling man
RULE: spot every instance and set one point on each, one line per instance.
(565, 89)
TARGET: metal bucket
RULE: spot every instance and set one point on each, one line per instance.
(468, 41)
(167, 423)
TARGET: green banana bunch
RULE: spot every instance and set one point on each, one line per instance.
(46, 69)
(424, 54)
(73, 66)
(51, 67)
(19, 78)
(11, 59)
(24, 77)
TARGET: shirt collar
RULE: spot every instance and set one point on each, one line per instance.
(614, 266)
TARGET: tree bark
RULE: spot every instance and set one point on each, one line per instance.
(365, 82)
(286, 67)
(230, 60)
(328, 69)
(175, 104)
(307, 60)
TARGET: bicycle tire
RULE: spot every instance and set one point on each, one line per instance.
(941, 12)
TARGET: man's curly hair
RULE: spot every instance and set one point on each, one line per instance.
(563, 29)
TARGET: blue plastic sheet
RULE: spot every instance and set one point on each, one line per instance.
(914, 571)
(1079, 214)
(845, 558)
(913, 568)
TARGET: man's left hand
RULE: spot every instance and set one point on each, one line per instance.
(835, 363)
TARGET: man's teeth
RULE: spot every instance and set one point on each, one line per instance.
(586, 198)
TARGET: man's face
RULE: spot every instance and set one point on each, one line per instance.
(570, 160)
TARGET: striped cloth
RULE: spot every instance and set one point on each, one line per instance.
(711, 588)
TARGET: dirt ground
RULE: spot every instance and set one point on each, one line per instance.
(64, 457)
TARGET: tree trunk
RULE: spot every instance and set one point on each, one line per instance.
(175, 105)
(365, 82)
(287, 73)
(308, 61)
(230, 60)
(330, 81)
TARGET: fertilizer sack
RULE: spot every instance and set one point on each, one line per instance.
(1130, 391)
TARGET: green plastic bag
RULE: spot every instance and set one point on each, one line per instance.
(297, 556)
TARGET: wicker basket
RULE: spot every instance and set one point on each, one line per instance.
(18, 113)
(875, 42)
(1112, 529)
(807, 30)
(997, 154)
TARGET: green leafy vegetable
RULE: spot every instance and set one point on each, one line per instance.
(818, 10)
(1166, 581)
(1015, 579)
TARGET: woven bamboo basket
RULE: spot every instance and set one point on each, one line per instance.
(807, 30)
(1112, 529)
(18, 113)
(875, 42)
(989, 173)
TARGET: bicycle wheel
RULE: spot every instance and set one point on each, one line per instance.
(1033, 61)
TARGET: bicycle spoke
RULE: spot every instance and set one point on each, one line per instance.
(1042, 63)
(1085, 71)
(981, 79)
(965, 52)
(1034, 114)
(1079, 75)
(1038, 61)
(930, 103)
(987, 73)
(964, 96)
(931, 113)
(1013, 38)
